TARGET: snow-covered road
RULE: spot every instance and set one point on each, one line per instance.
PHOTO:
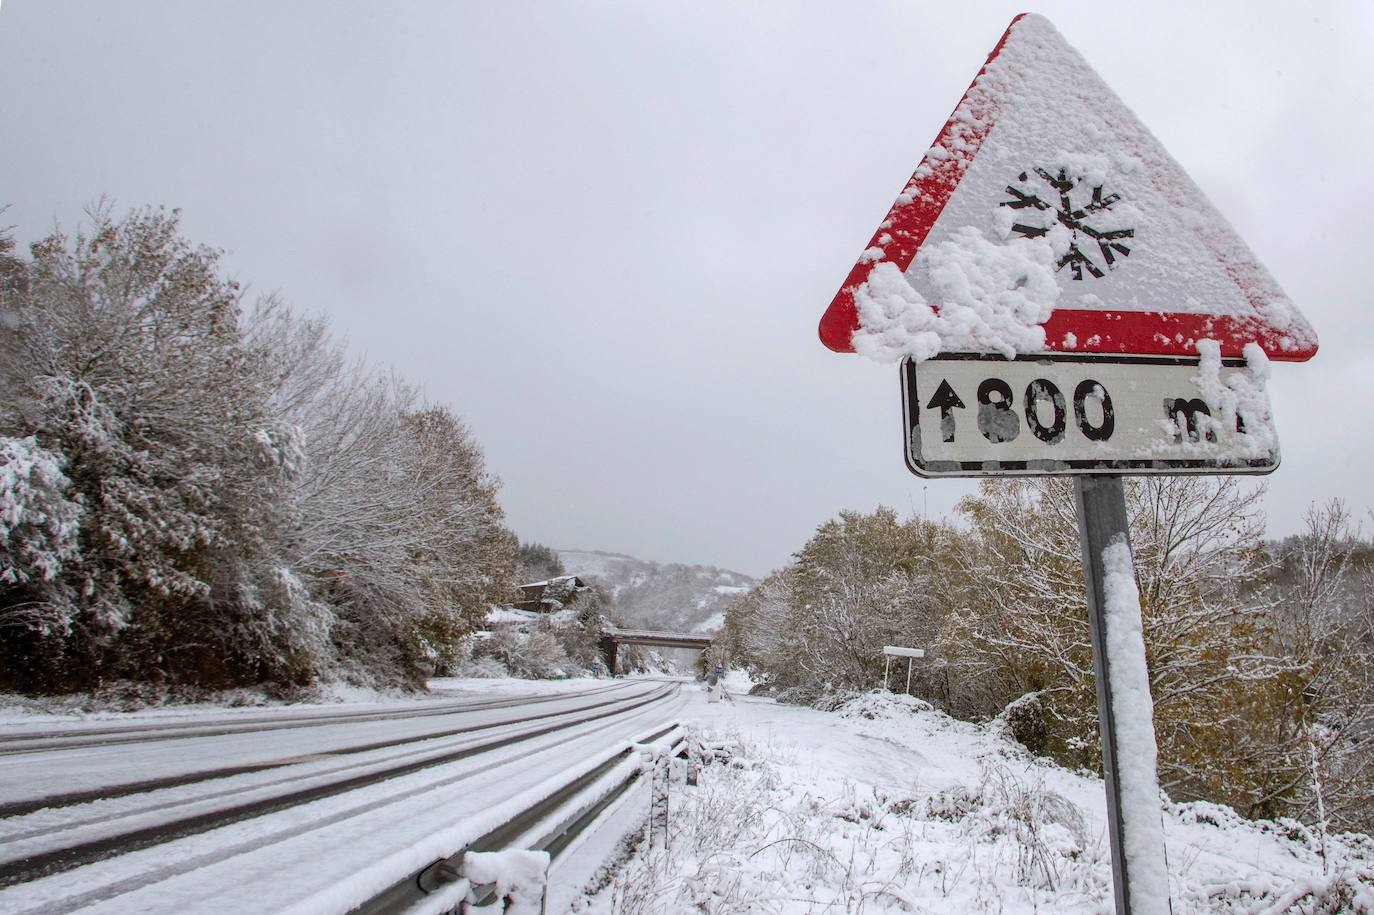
(109, 758)
(263, 812)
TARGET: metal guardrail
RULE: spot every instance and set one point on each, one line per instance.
(454, 884)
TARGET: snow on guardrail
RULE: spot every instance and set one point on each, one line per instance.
(498, 856)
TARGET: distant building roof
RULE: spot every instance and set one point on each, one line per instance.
(574, 580)
(500, 617)
(534, 596)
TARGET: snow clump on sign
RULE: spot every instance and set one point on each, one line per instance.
(1244, 421)
(992, 296)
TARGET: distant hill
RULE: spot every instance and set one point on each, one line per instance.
(659, 595)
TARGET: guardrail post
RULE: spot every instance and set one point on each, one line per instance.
(658, 810)
(504, 905)
(508, 879)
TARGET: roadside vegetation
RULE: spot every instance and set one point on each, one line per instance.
(1261, 653)
(197, 489)
(884, 804)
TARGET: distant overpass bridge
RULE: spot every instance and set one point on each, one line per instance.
(613, 638)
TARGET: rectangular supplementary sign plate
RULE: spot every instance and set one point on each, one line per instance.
(969, 415)
(896, 651)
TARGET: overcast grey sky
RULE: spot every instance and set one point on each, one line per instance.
(604, 232)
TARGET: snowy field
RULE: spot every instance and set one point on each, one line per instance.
(887, 805)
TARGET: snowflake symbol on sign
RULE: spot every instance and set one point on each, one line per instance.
(1074, 218)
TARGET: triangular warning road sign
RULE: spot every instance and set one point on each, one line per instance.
(1040, 147)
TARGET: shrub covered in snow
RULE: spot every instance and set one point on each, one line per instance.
(484, 668)
(38, 523)
(192, 494)
(1259, 657)
(536, 656)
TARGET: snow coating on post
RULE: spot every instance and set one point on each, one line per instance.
(1137, 755)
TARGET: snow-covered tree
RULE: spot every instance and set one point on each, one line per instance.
(757, 632)
(398, 519)
(1318, 753)
(191, 494)
(536, 562)
(38, 534)
(126, 359)
(1199, 563)
(861, 582)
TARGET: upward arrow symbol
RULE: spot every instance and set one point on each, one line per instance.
(946, 401)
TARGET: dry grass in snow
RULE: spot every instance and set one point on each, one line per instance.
(887, 805)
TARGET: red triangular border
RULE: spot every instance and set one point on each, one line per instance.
(919, 205)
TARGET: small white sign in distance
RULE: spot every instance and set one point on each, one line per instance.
(972, 415)
(896, 651)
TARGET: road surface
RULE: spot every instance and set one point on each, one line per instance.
(282, 810)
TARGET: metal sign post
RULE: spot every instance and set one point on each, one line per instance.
(896, 651)
(1101, 504)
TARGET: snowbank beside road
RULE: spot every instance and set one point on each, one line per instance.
(134, 701)
(887, 805)
(138, 704)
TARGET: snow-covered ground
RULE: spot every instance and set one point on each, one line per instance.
(394, 792)
(53, 757)
(887, 805)
(883, 805)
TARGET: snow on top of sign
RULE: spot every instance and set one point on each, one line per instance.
(1047, 193)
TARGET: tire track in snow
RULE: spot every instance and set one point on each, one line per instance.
(163, 870)
(105, 792)
(36, 866)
